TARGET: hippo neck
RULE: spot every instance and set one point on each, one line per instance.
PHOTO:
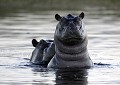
(71, 53)
(75, 49)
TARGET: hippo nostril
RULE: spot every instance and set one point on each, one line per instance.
(71, 24)
(79, 27)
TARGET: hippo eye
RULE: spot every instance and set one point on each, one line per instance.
(63, 21)
(76, 20)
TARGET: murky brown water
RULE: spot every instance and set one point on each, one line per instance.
(17, 31)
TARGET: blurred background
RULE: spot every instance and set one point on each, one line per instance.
(10, 6)
(23, 20)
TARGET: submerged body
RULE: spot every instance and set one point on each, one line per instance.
(69, 48)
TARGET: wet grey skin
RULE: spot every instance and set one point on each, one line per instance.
(40, 51)
(69, 47)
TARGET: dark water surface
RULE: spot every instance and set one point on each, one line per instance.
(18, 29)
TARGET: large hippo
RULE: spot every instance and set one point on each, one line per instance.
(69, 47)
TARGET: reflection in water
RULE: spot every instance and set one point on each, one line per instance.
(68, 76)
(71, 77)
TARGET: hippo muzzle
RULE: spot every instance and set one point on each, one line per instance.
(72, 31)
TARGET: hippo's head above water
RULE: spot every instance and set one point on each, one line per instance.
(69, 30)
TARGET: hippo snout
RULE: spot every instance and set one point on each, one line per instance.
(72, 25)
(72, 32)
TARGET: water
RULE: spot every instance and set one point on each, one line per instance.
(18, 29)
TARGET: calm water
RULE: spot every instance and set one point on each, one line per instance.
(17, 30)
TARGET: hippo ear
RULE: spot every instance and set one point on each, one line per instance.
(82, 15)
(58, 17)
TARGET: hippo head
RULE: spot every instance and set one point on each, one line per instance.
(69, 30)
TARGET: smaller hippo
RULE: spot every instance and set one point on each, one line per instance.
(69, 47)
(42, 48)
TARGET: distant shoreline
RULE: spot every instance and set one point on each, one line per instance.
(7, 6)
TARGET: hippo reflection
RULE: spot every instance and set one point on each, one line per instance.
(69, 47)
(71, 77)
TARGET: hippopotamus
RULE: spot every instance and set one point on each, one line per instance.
(69, 47)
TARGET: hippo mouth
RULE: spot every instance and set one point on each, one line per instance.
(71, 41)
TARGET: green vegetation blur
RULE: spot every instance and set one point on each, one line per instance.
(7, 6)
